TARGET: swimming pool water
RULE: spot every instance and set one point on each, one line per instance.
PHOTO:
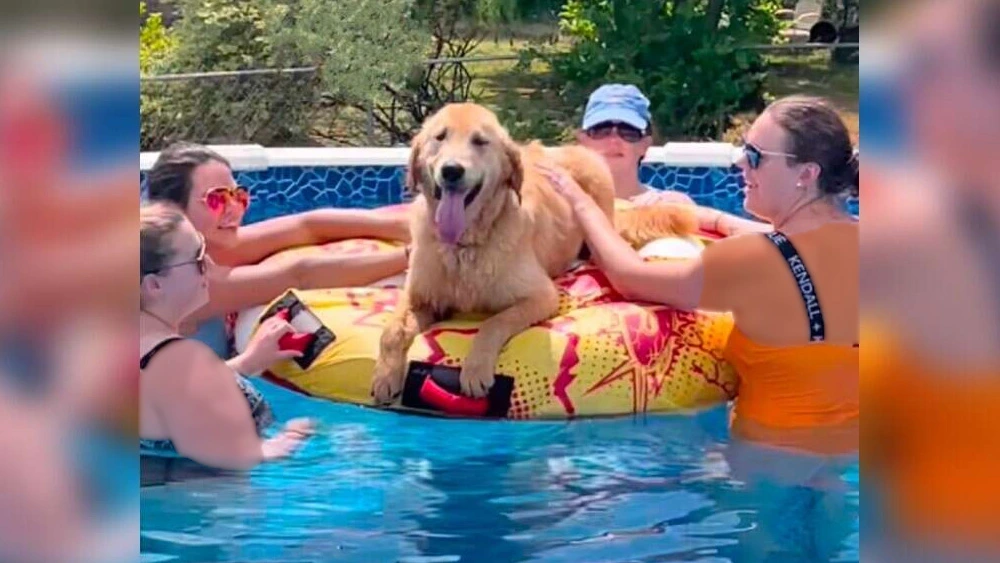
(375, 486)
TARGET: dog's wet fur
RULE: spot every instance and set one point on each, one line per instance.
(489, 232)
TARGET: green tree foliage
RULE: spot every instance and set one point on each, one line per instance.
(217, 35)
(351, 43)
(358, 45)
(683, 54)
(494, 11)
(155, 43)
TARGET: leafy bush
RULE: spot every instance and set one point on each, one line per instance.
(155, 48)
(358, 45)
(349, 43)
(455, 29)
(155, 43)
(515, 10)
(683, 54)
(222, 35)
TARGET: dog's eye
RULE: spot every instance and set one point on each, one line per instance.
(480, 141)
(440, 136)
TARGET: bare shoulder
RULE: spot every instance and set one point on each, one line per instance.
(181, 364)
(839, 233)
(755, 250)
(743, 247)
(740, 259)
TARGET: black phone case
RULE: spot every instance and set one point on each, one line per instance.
(324, 336)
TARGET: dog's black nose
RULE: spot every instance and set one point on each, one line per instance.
(452, 172)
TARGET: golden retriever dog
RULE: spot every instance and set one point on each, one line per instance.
(489, 233)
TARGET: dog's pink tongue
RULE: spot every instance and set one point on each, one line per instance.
(450, 217)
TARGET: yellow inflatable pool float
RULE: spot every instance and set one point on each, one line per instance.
(599, 356)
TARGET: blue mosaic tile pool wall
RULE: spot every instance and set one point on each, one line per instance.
(285, 190)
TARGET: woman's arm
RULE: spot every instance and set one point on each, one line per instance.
(260, 240)
(264, 349)
(714, 220)
(352, 270)
(233, 289)
(709, 281)
(675, 283)
(202, 409)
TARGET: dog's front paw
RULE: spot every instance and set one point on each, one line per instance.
(476, 377)
(387, 382)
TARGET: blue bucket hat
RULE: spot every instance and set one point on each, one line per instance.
(617, 102)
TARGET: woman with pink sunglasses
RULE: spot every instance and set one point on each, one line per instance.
(200, 181)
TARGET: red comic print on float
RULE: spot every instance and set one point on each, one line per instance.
(375, 302)
(569, 361)
(640, 335)
(353, 247)
(582, 286)
(438, 354)
(654, 344)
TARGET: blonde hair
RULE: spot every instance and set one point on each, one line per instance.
(157, 224)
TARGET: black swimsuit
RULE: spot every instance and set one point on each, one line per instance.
(259, 409)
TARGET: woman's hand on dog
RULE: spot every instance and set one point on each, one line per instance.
(564, 185)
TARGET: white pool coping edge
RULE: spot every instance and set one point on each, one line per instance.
(246, 158)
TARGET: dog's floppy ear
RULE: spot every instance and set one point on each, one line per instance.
(413, 170)
(515, 174)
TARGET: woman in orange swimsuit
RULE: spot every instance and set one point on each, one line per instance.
(793, 294)
(931, 300)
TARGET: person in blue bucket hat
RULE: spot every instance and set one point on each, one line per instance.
(617, 125)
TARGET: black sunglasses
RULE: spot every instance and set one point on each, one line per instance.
(200, 261)
(754, 154)
(626, 132)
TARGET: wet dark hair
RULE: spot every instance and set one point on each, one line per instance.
(170, 177)
(817, 134)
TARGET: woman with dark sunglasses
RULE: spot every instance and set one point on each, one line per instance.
(617, 125)
(193, 406)
(793, 292)
(200, 181)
